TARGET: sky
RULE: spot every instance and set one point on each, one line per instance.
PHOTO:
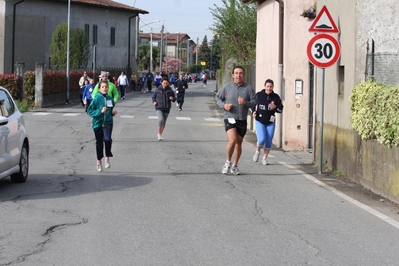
(184, 16)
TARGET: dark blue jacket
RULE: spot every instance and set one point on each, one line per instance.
(180, 84)
(263, 114)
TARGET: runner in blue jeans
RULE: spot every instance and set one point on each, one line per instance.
(268, 103)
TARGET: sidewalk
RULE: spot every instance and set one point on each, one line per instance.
(304, 157)
(304, 161)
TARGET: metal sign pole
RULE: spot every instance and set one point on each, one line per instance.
(321, 122)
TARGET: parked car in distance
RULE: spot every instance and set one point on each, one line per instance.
(14, 142)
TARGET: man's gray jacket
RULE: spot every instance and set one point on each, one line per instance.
(229, 93)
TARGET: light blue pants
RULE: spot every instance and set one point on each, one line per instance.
(264, 134)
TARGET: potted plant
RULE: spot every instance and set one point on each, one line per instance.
(309, 13)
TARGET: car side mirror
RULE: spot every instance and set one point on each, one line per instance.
(3, 120)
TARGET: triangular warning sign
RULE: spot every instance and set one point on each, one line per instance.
(324, 22)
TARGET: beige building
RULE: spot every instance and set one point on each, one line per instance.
(285, 35)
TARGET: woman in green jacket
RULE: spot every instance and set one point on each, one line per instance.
(102, 111)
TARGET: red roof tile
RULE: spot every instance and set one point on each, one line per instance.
(108, 4)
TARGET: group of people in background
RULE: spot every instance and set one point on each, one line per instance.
(236, 98)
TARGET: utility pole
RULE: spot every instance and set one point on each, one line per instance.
(160, 54)
(188, 52)
(177, 50)
(68, 40)
(196, 57)
(151, 50)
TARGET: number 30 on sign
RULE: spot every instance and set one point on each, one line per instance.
(323, 50)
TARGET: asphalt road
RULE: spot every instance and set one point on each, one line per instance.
(167, 203)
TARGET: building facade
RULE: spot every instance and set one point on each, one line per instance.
(284, 36)
(26, 29)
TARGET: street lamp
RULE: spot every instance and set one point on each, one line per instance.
(161, 50)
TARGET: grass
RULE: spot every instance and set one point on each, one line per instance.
(23, 106)
(338, 173)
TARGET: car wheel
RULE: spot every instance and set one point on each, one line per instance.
(22, 175)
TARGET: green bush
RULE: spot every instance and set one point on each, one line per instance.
(375, 112)
(23, 106)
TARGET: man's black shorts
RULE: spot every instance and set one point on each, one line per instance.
(240, 125)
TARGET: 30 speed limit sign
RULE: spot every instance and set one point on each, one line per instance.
(323, 50)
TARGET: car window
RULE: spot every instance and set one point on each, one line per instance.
(6, 104)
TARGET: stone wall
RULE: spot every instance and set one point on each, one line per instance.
(366, 162)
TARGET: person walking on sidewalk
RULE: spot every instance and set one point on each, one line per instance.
(161, 99)
(102, 111)
(122, 83)
(181, 86)
(268, 103)
(235, 98)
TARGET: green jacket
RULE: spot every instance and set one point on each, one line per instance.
(112, 91)
(94, 110)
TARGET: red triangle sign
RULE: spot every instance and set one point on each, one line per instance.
(324, 22)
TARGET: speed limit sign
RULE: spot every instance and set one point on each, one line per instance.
(323, 50)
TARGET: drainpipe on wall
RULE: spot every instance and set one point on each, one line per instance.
(128, 47)
(280, 82)
(136, 50)
(13, 34)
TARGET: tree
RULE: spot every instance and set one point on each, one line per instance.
(144, 56)
(204, 52)
(171, 64)
(216, 52)
(79, 47)
(235, 26)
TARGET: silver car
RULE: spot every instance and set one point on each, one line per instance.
(14, 143)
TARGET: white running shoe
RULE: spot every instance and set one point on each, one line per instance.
(160, 137)
(264, 161)
(226, 168)
(234, 170)
(107, 164)
(99, 166)
(256, 156)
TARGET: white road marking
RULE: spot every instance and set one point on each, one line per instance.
(41, 113)
(126, 116)
(182, 118)
(71, 114)
(212, 119)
